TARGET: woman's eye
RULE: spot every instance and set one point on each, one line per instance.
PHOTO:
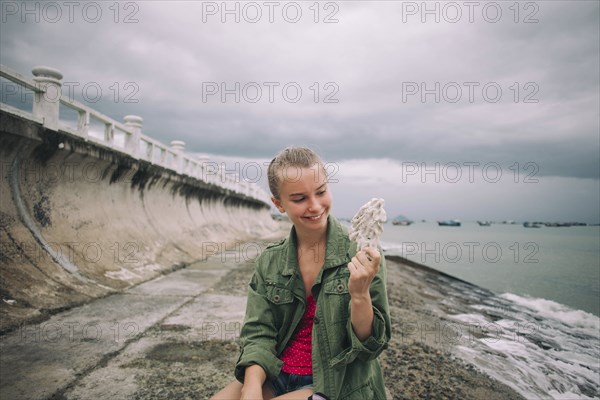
(298, 200)
(322, 192)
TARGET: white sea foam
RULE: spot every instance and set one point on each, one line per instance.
(540, 348)
(557, 311)
(476, 319)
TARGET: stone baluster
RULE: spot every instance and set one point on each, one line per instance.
(46, 103)
(203, 173)
(178, 147)
(132, 141)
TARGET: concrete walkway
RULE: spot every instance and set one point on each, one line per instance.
(79, 353)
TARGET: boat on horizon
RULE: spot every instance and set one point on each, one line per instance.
(401, 220)
(484, 223)
(451, 222)
(532, 224)
(558, 224)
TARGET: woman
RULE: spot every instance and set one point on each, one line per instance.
(317, 315)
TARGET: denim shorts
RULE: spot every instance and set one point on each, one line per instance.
(286, 383)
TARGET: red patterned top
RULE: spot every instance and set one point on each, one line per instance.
(297, 356)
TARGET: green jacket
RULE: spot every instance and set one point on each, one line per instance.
(343, 366)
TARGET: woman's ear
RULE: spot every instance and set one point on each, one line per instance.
(277, 204)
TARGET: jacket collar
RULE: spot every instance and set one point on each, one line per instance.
(337, 250)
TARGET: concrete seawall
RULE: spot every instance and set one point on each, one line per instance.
(79, 221)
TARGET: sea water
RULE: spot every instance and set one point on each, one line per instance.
(554, 263)
(544, 337)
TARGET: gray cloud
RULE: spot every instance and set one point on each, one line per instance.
(367, 58)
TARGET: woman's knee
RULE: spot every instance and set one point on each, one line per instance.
(229, 392)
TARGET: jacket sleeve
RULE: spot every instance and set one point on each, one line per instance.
(371, 347)
(258, 337)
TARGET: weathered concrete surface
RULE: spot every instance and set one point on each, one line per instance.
(189, 348)
(82, 353)
(176, 337)
(79, 221)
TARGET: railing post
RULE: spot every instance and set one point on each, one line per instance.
(46, 104)
(203, 161)
(109, 134)
(178, 146)
(132, 142)
(83, 123)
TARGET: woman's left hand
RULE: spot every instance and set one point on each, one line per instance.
(363, 268)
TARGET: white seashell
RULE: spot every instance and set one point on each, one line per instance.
(367, 224)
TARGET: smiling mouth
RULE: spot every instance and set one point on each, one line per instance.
(316, 217)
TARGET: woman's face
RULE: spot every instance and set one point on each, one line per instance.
(304, 195)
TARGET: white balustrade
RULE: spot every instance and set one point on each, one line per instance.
(47, 86)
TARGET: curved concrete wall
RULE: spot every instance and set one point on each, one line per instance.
(79, 221)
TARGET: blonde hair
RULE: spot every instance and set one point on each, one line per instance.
(297, 157)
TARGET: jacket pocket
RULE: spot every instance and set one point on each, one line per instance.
(338, 285)
(337, 299)
(278, 295)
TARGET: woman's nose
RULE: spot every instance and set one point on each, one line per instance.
(313, 204)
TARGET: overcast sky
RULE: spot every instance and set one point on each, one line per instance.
(490, 112)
